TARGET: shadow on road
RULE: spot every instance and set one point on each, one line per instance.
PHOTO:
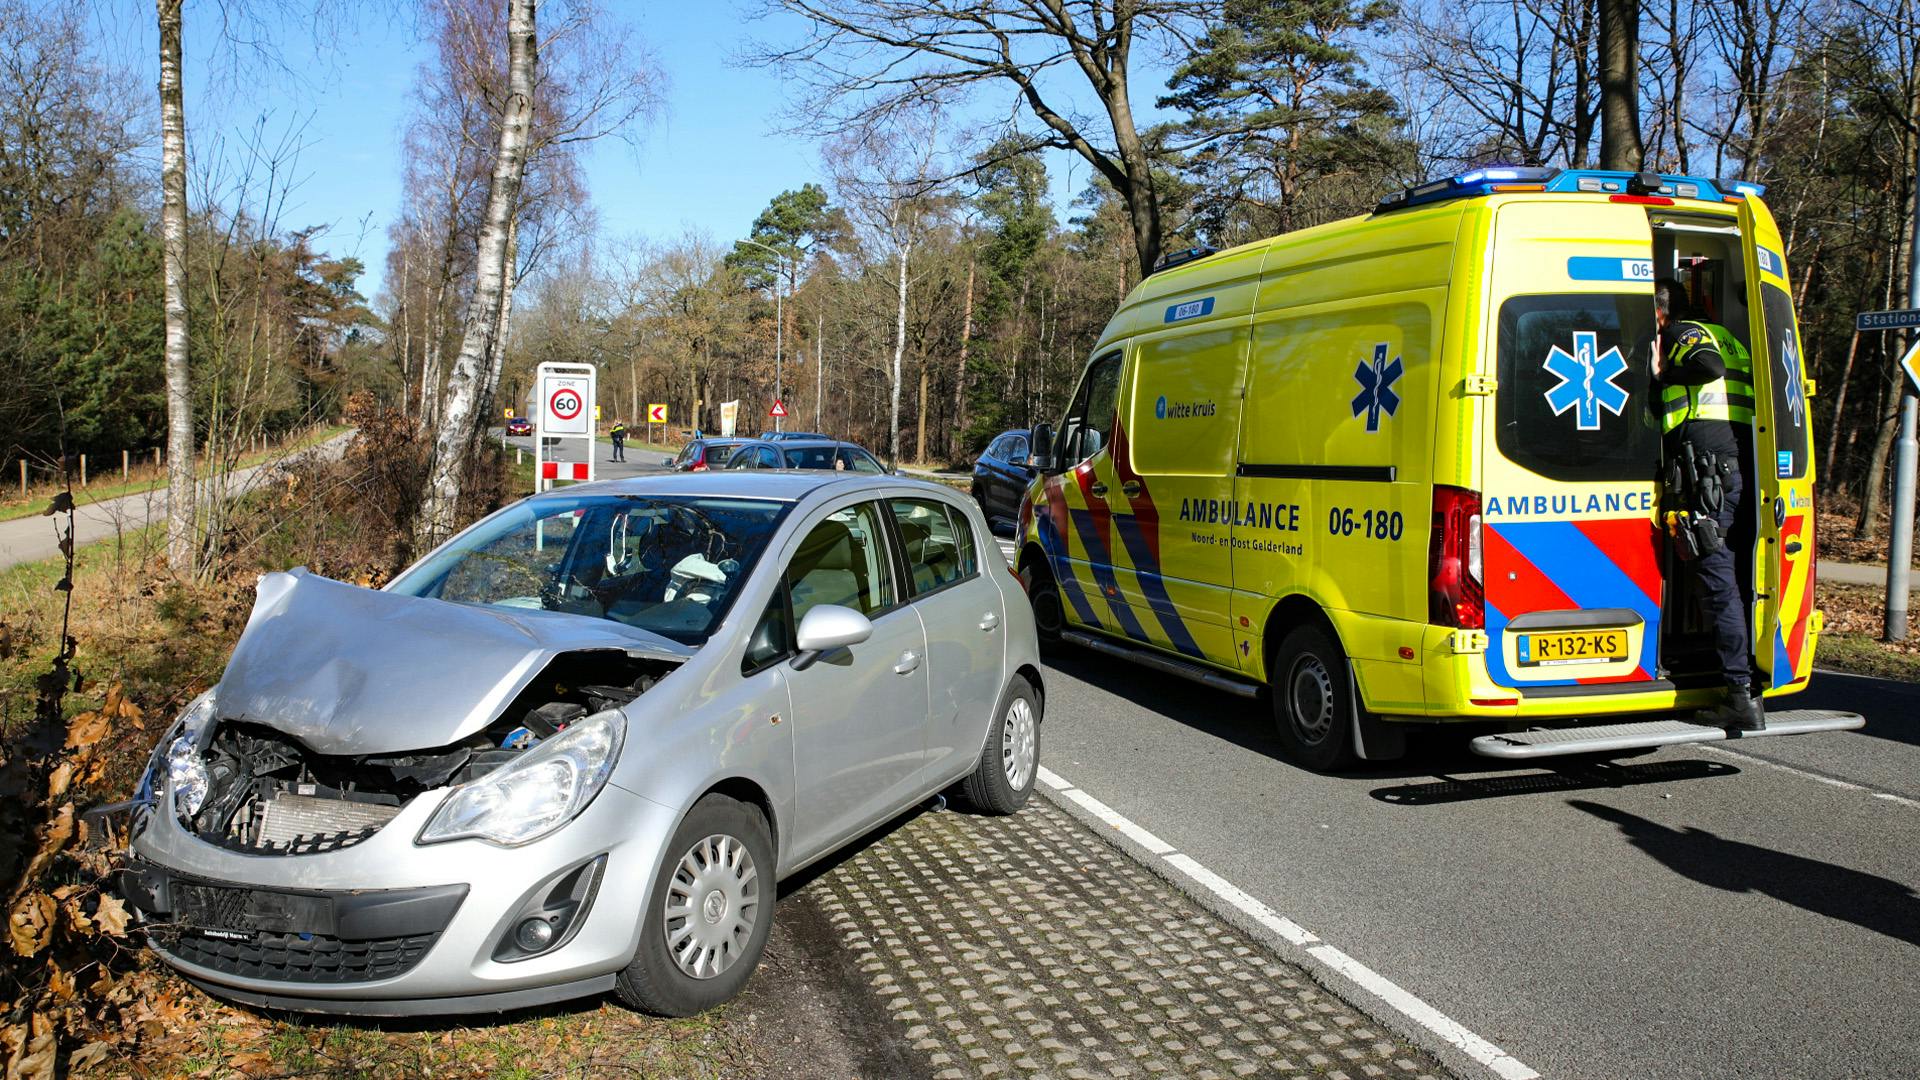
(1892, 708)
(1863, 899)
(1578, 776)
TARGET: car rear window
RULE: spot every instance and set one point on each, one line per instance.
(1574, 399)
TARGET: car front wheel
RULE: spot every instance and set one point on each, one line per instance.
(707, 919)
(1002, 780)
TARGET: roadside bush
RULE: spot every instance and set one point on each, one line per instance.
(98, 652)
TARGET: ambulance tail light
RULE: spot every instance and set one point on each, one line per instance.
(1455, 594)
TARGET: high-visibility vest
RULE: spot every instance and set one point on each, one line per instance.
(1728, 398)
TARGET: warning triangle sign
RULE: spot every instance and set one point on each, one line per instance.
(779, 408)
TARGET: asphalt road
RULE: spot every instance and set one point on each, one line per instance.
(640, 462)
(1693, 912)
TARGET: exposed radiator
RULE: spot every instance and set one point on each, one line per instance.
(302, 824)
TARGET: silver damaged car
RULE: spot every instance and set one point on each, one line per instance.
(576, 748)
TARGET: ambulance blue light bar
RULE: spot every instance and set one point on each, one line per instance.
(1494, 179)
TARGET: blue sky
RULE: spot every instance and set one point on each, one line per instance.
(710, 162)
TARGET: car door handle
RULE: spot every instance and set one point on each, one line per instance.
(1098, 489)
(1130, 488)
(989, 621)
(909, 661)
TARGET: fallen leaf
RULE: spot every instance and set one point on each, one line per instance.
(111, 915)
(61, 778)
(91, 1054)
(86, 729)
(33, 1060)
(54, 837)
(30, 923)
(59, 982)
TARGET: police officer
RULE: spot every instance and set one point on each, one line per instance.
(618, 434)
(1706, 401)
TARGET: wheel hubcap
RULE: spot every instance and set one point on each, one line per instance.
(1310, 699)
(1019, 740)
(713, 902)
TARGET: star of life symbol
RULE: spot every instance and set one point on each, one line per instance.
(1586, 380)
(1790, 368)
(1376, 387)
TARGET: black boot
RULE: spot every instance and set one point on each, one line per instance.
(1740, 712)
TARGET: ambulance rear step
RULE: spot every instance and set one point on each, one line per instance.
(1601, 738)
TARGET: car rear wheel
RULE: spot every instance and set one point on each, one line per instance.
(1312, 700)
(1002, 780)
(707, 919)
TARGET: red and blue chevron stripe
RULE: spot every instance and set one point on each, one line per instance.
(1572, 566)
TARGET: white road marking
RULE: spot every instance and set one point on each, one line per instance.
(1475, 1047)
(1501, 1063)
(1805, 774)
(1127, 828)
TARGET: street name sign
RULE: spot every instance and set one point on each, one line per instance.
(1887, 320)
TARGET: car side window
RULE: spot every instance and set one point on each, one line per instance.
(996, 449)
(1016, 452)
(766, 458)
(937, 542)
(772, 636)
(843, 561)
(1089, 420)
(859, 461)
(742, 459)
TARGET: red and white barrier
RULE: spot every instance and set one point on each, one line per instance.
(576, 470)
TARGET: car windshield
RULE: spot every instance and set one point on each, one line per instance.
(670, 565)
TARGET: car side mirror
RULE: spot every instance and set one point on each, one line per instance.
(826, 628)
(1040, 455)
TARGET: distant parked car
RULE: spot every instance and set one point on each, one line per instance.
(787, 436)
(1001, 475)
(519, 425)
(703, 454)
(811, 454)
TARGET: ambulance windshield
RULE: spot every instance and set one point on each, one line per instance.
(1574, 400)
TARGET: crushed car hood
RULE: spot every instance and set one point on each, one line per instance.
(347, 670)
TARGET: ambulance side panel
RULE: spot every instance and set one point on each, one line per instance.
(1173, 458)
(1333, 486)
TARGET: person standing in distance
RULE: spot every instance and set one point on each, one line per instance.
(1705, 378)
(618, 433)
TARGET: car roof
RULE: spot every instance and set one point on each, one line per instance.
(811, 444)
(784, 485)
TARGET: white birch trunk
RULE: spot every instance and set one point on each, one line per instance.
(454, 440)
(181, 501)
(899, 351)
(510, 276)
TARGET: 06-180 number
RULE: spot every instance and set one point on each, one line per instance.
(1372, 524)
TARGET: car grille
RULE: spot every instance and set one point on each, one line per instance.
(303, 958)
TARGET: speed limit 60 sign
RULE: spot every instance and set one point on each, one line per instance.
(565, 400)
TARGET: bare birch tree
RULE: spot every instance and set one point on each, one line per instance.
(181, 501)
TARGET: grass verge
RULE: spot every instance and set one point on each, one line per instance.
(1852, 641)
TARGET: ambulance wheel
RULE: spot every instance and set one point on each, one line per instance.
(1312, 700)
(1049, 615)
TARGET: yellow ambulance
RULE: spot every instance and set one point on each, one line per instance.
(1403, 469)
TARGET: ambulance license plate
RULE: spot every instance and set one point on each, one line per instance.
(1576, 647)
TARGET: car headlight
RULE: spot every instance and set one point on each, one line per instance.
(176, 759)
(537, 792)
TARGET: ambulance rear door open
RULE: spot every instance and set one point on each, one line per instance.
(1784, 472)
(1571, 450)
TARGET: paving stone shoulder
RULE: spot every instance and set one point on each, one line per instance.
(1027, 946)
